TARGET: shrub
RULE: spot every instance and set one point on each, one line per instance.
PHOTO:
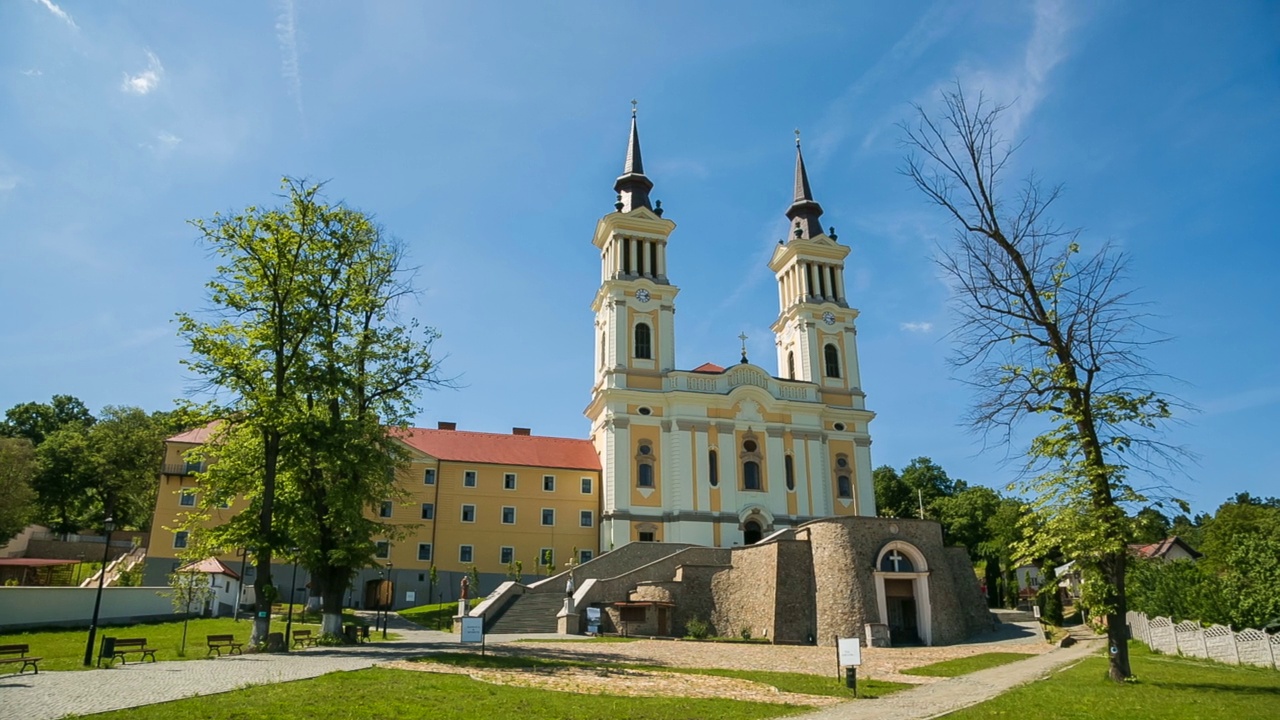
(696, 629)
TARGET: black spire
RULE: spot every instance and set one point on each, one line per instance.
(804, 211)
(632, 186)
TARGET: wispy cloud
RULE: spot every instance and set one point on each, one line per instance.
(32, 72)
(163, 143)
(917, 327)
(59, 13)
(287, 36)
(145, 81)
(8, 182)
(1245, 400)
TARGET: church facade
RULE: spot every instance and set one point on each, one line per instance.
(723, 456)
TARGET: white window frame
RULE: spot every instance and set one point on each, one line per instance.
(471, 550)
(183, 536)
(430, 552)
(587, 515)
(504, 550)
(463, 515)
(429, 509)
(380, 544)
(503, 516)
(470, 478)
(543, 553)
(509, 481)
(429, 476)
(588, 485)
(182, 498)
(545, 478)
(386, 509)
(544, 517)
(585, 556)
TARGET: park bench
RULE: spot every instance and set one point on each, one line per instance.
(303, 638)
(124, 646)
(21, 652)
(219, 643)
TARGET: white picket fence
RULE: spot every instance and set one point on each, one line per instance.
(1216, 642)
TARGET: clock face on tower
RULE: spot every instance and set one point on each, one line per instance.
(642, 295)
(829, 318)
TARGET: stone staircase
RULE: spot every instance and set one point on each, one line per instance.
(528, 613)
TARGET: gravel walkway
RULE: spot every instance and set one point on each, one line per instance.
(52, 695)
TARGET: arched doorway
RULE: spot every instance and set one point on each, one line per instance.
(751, 532)
(902, 592)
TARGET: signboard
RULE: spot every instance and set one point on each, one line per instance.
(410, 596)
(472, 630)
(593, 620)
(850, 651)
(1035, 609)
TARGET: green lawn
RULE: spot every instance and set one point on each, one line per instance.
(438, 616)
(784, 681)
(64, 649)
(966, 665)
(1166, 687)
(382, 694)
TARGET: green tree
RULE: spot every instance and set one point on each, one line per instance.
(1150, 526)
(920, 484)
(1180, 589)
(188, 591)
(17, 499)
(127, 446)
(1047, 333)
(65, 479)
(36, 421)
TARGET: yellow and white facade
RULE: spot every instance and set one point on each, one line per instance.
(716, 456)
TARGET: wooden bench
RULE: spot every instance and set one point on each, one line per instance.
(302, 638)
(124, 646)
(21, 652)
(219, 643)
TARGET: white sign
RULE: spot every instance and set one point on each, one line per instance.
(1035, 609)
(472, 629)
(850, 651)
(410, 596)
(593, 615)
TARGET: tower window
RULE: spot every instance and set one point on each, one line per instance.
(644, 342)
(791, 365)
(644, 464)
(713, 465)
(788, 463)
(644, 476)
(751, 475)
(844, 488)
(750, 458)
(832, 357)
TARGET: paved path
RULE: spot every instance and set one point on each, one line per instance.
(52, 695)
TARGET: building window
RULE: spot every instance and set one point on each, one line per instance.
(468, 513)
(508, 515)
(842, 461)
(644, 464)
(466, 554)
(844, 488)
(546, 556)
(548, 516)
(187, 498)
(428, 511)
(429, 476)
(385, 510)
(789, 465)
(507, 555)
(424, 552)
(791, 366)
(750, 475)
(586, 486)
(894, 561)
(832, 357)
(751, 459)
(584, 556)
(469, 478)
(509, 481)
(713, 468)
(191, 467)
(586, 518)
(180, 539)
(382, 549)
(646, 536)
(644, 344)
(549, 483)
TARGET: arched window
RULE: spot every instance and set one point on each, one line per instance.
(832, 357)
(713, 468)
(844, 487)
(644, 465)
(791, 366)
(750, 458)
(750, 475)
(644, 342)
(894, 561)
(789, 464)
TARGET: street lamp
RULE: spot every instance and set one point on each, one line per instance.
(107, 525)
(293, 587)
(386, 608)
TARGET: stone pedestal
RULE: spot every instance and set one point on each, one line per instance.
(567, 620)
(878, 635)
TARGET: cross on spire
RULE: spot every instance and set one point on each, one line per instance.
(743, 338)
(804, 211)
(632, 186)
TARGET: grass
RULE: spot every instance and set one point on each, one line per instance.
(966, 665)
(784, 681)
(1166, 687)
(63, 649)
(383, 694)
(438, 616)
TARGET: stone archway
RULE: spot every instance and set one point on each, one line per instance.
(902, 594)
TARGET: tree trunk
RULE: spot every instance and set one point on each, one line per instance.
(992, 578)
(314, 599)
(263, 590)
(332, 584)
(1117, 622)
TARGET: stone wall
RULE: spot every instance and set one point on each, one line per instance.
(1216, 642)
(745, 595)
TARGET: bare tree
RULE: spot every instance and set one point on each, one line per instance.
(1045, 331)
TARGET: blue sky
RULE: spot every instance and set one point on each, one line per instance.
(488, 137)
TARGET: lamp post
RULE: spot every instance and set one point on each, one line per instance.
(391, 597)
(293, 587)
(107, 525)
(244, 558)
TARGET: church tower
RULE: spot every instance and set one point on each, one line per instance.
(815, 332)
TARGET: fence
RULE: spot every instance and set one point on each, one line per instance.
(1216, 642)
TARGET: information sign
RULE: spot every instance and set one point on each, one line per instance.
(472, 630)
(850, 651)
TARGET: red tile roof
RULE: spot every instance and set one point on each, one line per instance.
(197, 436)
(498, 449)
(708, 368)
(1162, 548)
(210, 565)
